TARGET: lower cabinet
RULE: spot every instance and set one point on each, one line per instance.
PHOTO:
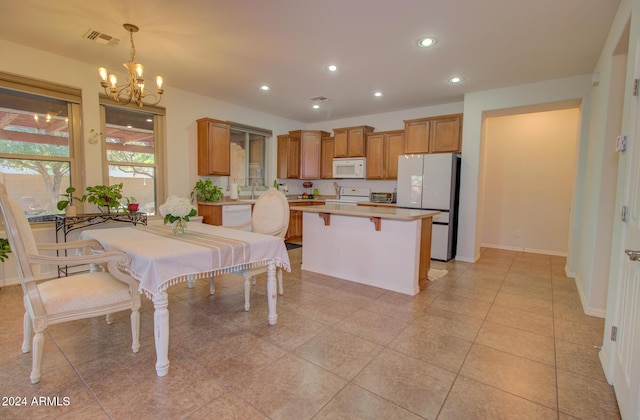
(295, 219)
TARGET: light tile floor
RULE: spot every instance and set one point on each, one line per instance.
(503, 338)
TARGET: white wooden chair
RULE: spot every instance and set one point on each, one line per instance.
(67, 298)
(270, 216)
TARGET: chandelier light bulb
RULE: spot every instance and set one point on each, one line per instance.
(159, 82)
(103, 73)
(113, 80)
(139, 70)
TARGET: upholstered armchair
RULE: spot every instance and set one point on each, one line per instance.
(80, 296)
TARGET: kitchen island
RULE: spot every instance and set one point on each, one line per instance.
(384, 247)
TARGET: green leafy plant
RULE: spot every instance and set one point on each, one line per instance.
(130, 200)
(206, 191)
(105, 196)
(5, 249)
(62, 204)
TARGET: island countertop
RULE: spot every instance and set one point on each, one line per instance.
(393, 213)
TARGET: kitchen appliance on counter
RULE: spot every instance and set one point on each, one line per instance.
(432, 182)
(349, 168)
(383, 197)
(351, 196)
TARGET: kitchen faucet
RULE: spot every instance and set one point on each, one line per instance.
(337, 187)
(254, 184)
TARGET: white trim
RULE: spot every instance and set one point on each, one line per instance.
(597, 312)
(521, 249)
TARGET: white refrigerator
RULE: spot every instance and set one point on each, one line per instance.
(432, 182)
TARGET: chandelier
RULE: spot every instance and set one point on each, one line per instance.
(133, 90)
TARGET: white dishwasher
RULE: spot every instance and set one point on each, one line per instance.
(236, 214)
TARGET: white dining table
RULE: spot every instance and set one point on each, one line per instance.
(160, 259)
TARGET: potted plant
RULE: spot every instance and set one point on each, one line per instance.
(132, 204)
(5, 249)
(106, 197)
(206, 191)
(67, 205)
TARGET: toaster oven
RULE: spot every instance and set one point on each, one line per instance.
(383, 197)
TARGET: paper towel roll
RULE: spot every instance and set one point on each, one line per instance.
(234, 191)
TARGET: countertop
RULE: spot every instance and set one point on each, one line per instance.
(368, 211)
(226, 201)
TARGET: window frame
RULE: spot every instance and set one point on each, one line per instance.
(249, 130)
(73, 97)
(159, 134)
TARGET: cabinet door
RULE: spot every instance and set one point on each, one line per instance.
(355, 142)
(341, 148)
(394, 147)
(375, 156)
(293, 158)
(445, 135)
(326, 157)
(416, 138)
(211, 215)
(283, 156)
(310, 155)
(214, 145)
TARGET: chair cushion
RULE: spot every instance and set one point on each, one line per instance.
(82, 291)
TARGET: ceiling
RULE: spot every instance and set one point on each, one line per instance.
(228, 49)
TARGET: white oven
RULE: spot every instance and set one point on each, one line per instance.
(351, 196)
(349, 168)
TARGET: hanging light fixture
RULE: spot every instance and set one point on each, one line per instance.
(133, 90)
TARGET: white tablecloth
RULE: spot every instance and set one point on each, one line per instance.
(160, 259)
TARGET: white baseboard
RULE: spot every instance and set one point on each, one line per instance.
(597, 312)
(524, 249)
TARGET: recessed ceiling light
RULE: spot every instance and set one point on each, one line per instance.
(377, 94)
(265, 87)
(316, 106)
(333, 68)
(426, 42)
(456, 79)
(149, 120)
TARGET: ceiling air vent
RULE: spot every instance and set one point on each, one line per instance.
(319, 99)
(101, 38)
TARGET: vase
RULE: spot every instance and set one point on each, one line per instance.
(179, 227)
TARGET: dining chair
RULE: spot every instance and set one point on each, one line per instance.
(270, 216)
(79, 296)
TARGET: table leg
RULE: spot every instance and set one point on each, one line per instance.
(272, 294)
(161, 330)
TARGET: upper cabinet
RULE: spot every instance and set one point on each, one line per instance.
(433, 134)
(383, 149)
(288, 157)
(300, 151)
(326, 157)
(350, 141)
(214, 144)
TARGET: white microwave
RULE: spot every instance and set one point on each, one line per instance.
(349, 168)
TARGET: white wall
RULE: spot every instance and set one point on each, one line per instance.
(530, 162)
(476, 106)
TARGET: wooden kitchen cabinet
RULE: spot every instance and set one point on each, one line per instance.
(350, 141)
(211, 215)
(446, 134)
(433, 135)
(288, 157)
(295, 219)
(326, 157)
(309, 151)
(214, 147)
(383, 149)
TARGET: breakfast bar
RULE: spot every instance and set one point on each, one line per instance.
(384, 247)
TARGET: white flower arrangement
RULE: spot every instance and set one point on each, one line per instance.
(176, 208)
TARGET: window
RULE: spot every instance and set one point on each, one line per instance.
(133, 153)
(248, 146)
(38, 131)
